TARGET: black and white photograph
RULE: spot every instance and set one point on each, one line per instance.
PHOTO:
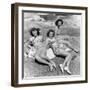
(51, 44)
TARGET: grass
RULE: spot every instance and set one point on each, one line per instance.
(34, 69)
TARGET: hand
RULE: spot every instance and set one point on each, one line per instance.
(50, 44)
(31, 43)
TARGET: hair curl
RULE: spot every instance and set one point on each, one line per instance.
(56, 23)
(50, 30)
(34, 29)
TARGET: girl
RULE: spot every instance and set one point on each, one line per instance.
(65, 48)
(50, 41)
(59, 49)
(58, 23)
(40, 48)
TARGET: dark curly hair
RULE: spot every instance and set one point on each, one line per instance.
(34, 29)
(51, 30)
(56, 23)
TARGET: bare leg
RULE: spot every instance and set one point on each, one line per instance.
(46, 58)
(42, 60)
(66, 63)
(67, 60)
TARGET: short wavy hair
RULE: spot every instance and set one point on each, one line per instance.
(50, 30)
(34, 29)
(56, 23)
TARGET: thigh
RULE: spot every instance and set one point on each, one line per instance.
(63, 52)
(41, 52)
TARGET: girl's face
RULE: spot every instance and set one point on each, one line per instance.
(59, 23)
(51, 34)
(35, 33)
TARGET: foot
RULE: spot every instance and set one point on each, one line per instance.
(51, 67)
(61, 67)
(67, 70)
(54, 65)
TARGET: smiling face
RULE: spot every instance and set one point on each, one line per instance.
(59, 23)
(51, 34)
(35, 33)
